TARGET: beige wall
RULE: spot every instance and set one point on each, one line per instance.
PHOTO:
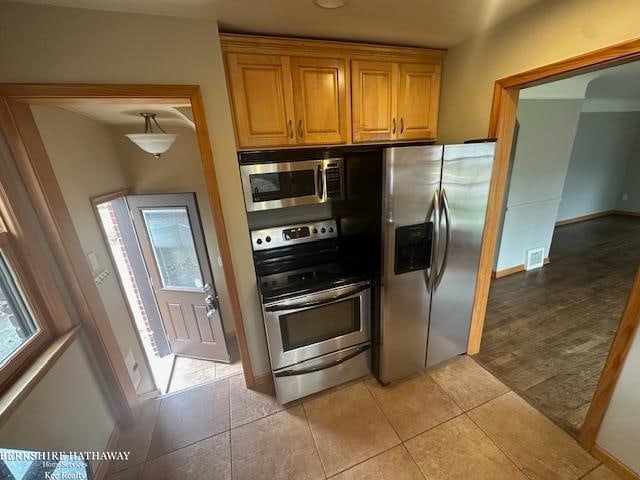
(68, 409)
(540, 163)
(178, 170)
(49, 44)
(544, 33)
(86, 164)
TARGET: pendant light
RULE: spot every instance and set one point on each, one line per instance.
(154, 143)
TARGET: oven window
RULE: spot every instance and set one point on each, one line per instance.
(314, 325)
(281, 185)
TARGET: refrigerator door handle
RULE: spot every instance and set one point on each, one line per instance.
(434, 209)
(445, 257)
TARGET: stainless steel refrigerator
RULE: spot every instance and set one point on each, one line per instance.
(434, 206)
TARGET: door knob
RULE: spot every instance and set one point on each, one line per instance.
(211, 303)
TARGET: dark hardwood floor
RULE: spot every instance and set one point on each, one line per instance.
(548, 331)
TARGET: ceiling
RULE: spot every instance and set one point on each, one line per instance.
(429, 23)
(620, 82)
(128, 114)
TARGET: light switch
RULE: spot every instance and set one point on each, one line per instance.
(93, 261)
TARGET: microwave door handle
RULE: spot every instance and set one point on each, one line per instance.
(320, 182)
(315, 303)
(301, 371)
(447, 221)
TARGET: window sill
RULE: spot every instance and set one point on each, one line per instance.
(21, 386)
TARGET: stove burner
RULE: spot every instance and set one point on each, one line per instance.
(303, 258)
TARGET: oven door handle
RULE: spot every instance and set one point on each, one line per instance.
(296, 306)
(301, 371)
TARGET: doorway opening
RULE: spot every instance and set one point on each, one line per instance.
(158, 249)
(569, 245)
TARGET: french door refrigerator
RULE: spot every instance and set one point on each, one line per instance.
(434, 205)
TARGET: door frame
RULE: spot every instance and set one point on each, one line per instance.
(501, 126)
(19, 127)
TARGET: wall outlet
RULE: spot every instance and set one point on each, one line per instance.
(625, 197)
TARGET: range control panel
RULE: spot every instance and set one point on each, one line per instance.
(293, 234)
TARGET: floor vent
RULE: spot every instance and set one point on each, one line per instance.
(535, 258)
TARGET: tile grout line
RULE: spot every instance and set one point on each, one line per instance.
(366, 460)
(315, 443)
(401, 444)
(507, 456)
(592, 470)
(433, 427)
(188, 444)
(373, 397)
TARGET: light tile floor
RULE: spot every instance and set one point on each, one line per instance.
(189, 372)
(454, 422)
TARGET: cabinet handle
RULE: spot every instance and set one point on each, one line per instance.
(401, 124)
(300, 131)
(290, 129)
(394, 126)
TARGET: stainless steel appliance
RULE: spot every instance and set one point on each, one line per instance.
(317, 307)
(434, 206)
(288, 183)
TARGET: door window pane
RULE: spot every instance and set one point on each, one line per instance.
(318, 324)
(17, 325)
(280, 185)
(173, 247)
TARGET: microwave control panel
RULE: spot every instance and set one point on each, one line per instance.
(333, 175)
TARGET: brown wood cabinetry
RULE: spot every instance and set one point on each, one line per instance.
(262, 99)
(418, 95)
(394, 101)
(374, 100)
(289, 92)
(320, 99)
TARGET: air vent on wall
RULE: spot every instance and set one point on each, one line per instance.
(535, 258)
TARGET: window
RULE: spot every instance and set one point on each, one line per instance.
(17, 325)
(22, 330)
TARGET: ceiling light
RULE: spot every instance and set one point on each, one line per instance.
(330, 4)
(154, 143)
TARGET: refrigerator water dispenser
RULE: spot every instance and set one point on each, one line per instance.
(413, 247)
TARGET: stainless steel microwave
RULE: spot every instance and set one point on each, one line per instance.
(285, 184)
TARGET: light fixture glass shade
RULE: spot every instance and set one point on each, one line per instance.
(153, 143)
(330, 4)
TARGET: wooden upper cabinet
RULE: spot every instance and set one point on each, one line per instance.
(288, 92)
(418, 95)
(262, 97)
(373, 100)
(320, 100)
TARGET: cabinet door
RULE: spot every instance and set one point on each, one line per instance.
(418, 94)
(373, 99)
(262, 98)
(320, 100)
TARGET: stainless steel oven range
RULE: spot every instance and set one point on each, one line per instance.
(316, 303)
(285, 184)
